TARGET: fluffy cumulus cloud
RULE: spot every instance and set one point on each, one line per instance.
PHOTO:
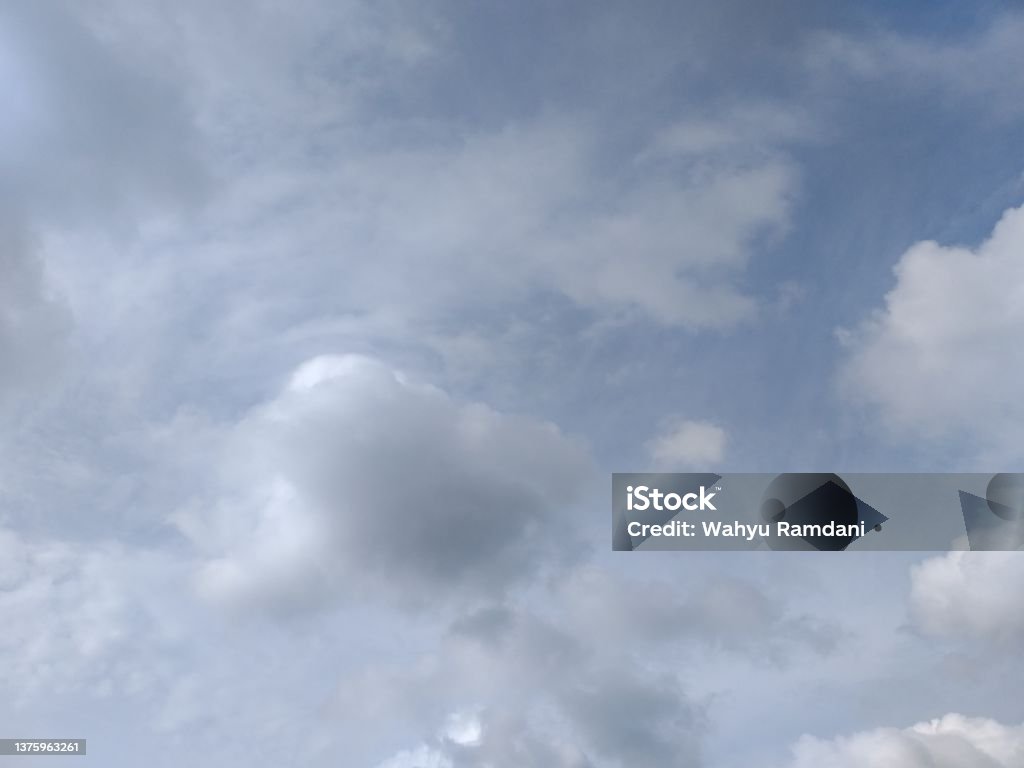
(358, 475)
(940, 358)
(953, 741)
(970, 595)
(687, 445)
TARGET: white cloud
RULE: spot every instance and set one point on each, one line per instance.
(941, 358)
(749, 131)
(356, 477)
(953, 741)
(983, 67)
(970, 595)
(673, 246)
(689, 445)
(662, 228)
(662, 238)
(464, 729)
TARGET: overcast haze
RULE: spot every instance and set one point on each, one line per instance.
(323, 325)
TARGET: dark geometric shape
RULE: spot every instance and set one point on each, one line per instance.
(987, 529)
(827, 503)
(1005, 495)
(815, 499)
(870, 516)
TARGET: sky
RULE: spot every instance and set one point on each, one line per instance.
(324, 324)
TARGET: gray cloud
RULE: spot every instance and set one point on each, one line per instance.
(592, 671)
(725, 613)
(357, 477)
(100, 130)
(636, 723)
(33, 323)
(94, 135)
(541, 693)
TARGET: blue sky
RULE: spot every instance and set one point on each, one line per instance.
(322, 326)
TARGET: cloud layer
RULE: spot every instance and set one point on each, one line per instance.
(548, 212)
